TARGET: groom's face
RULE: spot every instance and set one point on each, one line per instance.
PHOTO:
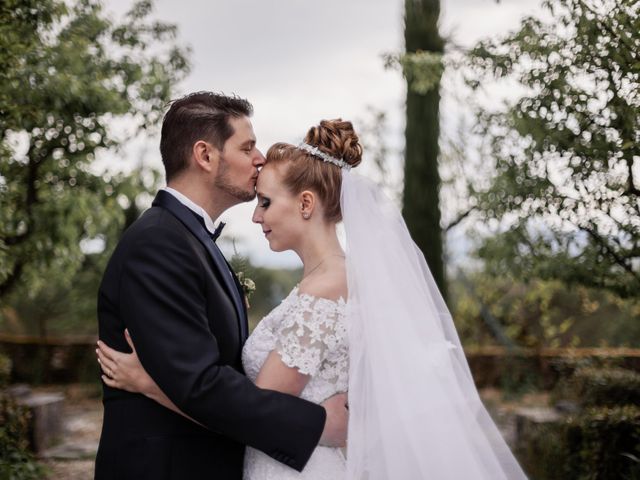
(239, 162)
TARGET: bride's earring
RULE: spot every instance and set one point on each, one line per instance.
(305, 215)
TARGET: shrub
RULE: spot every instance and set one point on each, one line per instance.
(604, 387)
(603, 443)
(542, 452)
(16, 463)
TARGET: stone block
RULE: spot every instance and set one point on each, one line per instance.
(45, 424)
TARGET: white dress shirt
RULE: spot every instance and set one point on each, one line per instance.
(197, 209)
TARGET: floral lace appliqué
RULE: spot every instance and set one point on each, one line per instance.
(310, 334)
(311, 337)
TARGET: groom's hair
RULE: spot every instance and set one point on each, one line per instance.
(194, 117)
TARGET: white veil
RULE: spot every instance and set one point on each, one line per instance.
(414, 410)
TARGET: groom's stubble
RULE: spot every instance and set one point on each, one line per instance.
(223, 182)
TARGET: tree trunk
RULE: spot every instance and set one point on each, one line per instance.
(421, 208)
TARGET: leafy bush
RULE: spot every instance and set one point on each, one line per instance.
(606, 387)
(16, 463)
(540, 313)
(5, 370)
(541, 451)
(603, 443)
(600, 443)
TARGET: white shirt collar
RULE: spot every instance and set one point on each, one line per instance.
(197, 209)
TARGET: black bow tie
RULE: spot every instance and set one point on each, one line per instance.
(216, 233)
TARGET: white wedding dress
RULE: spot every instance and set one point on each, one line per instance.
(414, 411)
(310, 334)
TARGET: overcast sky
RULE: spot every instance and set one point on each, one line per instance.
(299, 61)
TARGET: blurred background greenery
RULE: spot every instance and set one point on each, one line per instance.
(548, 299)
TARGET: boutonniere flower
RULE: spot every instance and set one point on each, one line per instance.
(248, 287)
(241, 265)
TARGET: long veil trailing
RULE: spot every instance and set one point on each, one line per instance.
(414, 410)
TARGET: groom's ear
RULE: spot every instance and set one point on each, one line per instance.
(205, 156)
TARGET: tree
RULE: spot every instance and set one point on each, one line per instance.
(420, 199)
(67, 73)
(567, 152)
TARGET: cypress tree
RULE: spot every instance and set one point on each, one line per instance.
(421, 208)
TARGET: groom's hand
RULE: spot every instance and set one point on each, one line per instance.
(335, 426)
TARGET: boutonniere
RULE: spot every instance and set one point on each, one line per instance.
(241, 265)
(248, 287)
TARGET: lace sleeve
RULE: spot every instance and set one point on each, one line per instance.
(309, 332)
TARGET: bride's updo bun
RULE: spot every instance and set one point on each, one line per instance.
(305, 171)
(338, 139)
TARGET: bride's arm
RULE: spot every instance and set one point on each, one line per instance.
(276, 375)
(125, 372)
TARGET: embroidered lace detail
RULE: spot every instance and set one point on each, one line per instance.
(310, 334)
(309, 337)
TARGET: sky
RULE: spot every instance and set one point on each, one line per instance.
(298, 62)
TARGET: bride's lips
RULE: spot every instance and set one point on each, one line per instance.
(266, 232)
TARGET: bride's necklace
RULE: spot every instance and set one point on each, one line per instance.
(318, 265)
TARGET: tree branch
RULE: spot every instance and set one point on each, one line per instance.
(12, 279)
(30, 200)
(609, 251)
(460, 218)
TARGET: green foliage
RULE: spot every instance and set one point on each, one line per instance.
(598, 444)
(542, 452)
(566, 185)
(68, 73)
(16, 463)
(62, 305)
(606, 387)
(423, 70)
(601, 442)
(5, 370)
(541, 313)
(604, 444)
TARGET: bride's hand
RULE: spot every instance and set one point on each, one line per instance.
(124, 370)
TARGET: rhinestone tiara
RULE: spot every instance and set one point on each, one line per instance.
(316, 152)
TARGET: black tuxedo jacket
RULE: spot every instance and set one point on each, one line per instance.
(170, 286)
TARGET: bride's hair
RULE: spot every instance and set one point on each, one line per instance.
(305, 171)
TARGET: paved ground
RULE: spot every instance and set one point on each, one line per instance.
(73, 459)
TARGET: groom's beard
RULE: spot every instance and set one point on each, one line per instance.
(223, 183)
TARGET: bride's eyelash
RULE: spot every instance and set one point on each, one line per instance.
(265, 202)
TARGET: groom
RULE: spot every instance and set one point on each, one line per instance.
(168, 283)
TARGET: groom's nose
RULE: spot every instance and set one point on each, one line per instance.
(258, 159)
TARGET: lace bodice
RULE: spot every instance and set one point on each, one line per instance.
(310, 334)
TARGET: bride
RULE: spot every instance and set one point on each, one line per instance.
(368, 319)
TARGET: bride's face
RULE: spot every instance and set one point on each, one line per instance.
(278, 211)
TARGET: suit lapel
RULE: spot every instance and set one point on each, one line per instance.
(169, 202)
(245, 323)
